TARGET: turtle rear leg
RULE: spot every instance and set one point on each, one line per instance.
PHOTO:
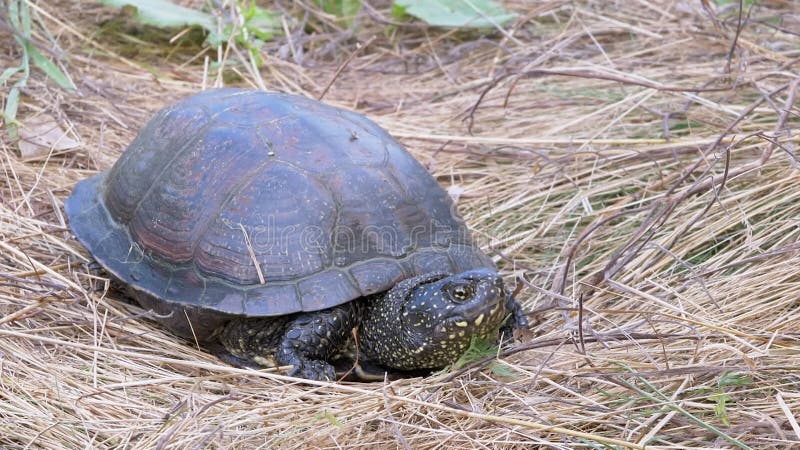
(305, 341)
(249, 342)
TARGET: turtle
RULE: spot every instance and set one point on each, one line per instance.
(273, 228)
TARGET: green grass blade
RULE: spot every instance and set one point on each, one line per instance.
(10, 112)
(49, 67)
(13, 15)
(25, 19)
(8, 73)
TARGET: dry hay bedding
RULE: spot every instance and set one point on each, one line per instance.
(693, 322)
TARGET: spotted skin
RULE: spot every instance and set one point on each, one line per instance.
(424, 322)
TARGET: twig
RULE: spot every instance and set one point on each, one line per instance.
(735, 37)
(359, 47)
(580, 73)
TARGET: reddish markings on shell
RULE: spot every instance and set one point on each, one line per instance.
(288, 216)
(150, 154)
(189, 197)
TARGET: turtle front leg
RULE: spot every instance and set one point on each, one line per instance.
(311, 339)
(304, 341)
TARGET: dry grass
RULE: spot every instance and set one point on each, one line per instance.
(632, 165)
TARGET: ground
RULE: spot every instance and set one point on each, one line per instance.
(630, 166)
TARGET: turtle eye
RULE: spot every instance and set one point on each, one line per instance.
(460, 292)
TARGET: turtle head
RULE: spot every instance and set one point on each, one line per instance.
(433, 318)
(455, 307)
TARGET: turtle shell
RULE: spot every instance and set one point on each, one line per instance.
(260, 204)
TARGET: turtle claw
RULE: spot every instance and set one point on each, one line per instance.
(516, 320)
(313, 370)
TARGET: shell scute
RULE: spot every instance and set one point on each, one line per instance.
(323, 289)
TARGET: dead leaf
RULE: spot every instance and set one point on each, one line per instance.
(41, 135)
